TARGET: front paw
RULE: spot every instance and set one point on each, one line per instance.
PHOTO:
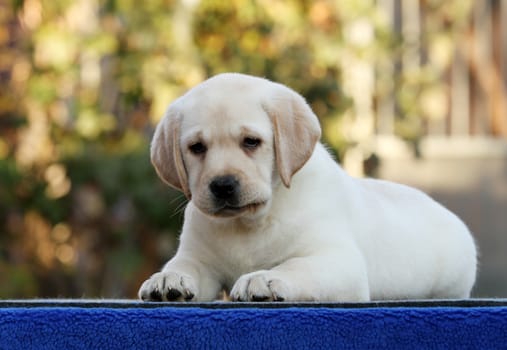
(260, 286)
(168, 286)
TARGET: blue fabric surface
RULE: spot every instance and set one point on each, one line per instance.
(64, 327)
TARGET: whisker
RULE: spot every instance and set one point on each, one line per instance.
(180, 208)
(176, 198)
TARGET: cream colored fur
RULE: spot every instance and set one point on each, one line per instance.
(303, 230)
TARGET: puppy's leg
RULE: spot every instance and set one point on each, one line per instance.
(311, 278)
(181, 279)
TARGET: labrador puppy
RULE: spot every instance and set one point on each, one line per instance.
(272, 217)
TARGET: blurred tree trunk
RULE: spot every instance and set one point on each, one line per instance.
(489, 77)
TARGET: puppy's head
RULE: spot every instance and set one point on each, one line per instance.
(228, 141)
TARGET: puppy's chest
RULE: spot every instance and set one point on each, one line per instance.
(242, 253)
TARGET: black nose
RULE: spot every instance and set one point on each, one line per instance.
(224, 187)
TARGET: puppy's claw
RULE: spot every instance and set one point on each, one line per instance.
(173, 294)
(155, 295)
(188, 295)
(260, 298)
(277, 297)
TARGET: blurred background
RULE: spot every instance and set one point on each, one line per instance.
(412, 91)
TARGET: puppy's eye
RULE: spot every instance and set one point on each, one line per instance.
(197, 148)
(251, 142)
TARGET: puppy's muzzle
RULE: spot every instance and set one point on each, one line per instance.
(225, 190)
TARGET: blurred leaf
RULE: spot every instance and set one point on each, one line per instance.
(17, 281)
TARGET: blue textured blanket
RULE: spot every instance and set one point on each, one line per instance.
(134, 325)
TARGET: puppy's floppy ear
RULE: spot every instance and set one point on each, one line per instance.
(296, 131)
(166, 153)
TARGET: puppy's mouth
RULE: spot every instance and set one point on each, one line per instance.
(228, 210)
